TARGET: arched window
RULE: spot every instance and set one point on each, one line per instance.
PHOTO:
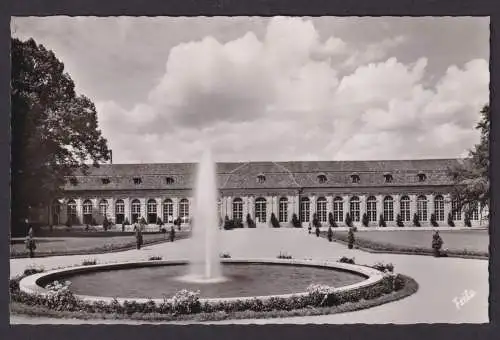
(354, 208)
(87, 212)
(151, 208)
(238, 209)
(305, 209)
(184, 209)
(283, 209)
(103, 207)
(261, 179)
(56, 212)
(456, 211)
(474, 213)
(388, 208)
(422, 208)
(404, 207)
(355, 178)
(338, 209)
(119, 212)
(321, 209)
(439, 208)
(168, 211)
(260, 210)
(371, 208)
(72, 216)
(136, 210)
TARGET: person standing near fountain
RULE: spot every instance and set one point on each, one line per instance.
(172, 234)
(138, 237)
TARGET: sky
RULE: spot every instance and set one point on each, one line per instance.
(276, 89)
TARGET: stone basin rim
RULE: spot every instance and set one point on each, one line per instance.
(31, 283)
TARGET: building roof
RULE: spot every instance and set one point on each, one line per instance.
(274, 175)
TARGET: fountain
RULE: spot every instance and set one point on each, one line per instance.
(204, 263)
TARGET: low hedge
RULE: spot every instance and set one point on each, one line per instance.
(392, 248)
(107, 248)
(66, 304)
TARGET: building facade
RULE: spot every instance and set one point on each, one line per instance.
(375, 188)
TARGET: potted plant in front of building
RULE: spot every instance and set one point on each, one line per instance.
(348, 220)
(30, 243)
(467, 220)
(331, 220)
(350, 238)
(316, 224)
(451, 223)
(381, 221)
(250, 222)
(437, 243)
(399, 221)
(416, 220)
(295, 221)
(105, 223)
(434, 222)
(274, 221)
(365, 220)
(228, 224)
(330, 234)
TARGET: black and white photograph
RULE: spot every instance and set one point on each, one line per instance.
(249, 170)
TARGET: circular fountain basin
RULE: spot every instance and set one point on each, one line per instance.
(243, 279)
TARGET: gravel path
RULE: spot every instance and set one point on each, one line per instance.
(441, 280)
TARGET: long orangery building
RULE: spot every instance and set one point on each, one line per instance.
(388, 188)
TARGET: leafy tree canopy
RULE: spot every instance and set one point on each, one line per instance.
(472, 176)
(54, 130)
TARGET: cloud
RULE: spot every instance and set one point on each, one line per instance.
(289, 93)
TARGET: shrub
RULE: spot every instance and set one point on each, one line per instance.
(348, 220)
(316, 223)
(105, 223)
(126, 222)
(437, 243)
(225, 255)
(274, 221)
(331, 220)
(330, 234)
(155, 258)
(295, 221)
(33, 269)
(345, 259)
(228, 224)
(237, 223)
(250, 222)
(350, 239)
(186, 302)
(399, 221)
(389, 267)
(381, 221)
(451, 223)
(434, 222)
(467, 220)
(416, 220)
(365, 220)
(58, 286)
(284, 255)
(89, 262)
(321, 295)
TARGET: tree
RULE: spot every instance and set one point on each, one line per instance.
(350, 238)
(295, 221)
(471, 177)
(54, 130)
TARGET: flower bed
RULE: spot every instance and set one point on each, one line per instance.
(187, 305)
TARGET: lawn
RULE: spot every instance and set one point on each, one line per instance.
(85, 245)
(470, 240)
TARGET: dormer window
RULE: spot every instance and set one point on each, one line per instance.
(105, 180)
(261, 179)
(421, 177)
(322, 178)
(73, 181)
(169, 180)
(137, 180)
(388, 178)
(355, 178)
